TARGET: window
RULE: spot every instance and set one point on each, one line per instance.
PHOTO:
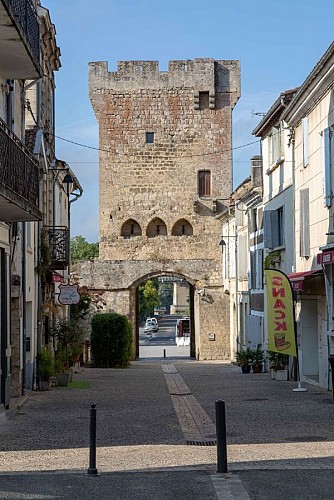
(273, 223)
(204, 183)
(203, 100)
(256, 269)
(304, 223)
(149, 137)
(275, 145)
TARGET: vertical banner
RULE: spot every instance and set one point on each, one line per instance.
(280, 313)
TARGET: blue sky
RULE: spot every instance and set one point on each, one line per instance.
(277, 43)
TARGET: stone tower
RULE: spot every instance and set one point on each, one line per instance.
(165, 174)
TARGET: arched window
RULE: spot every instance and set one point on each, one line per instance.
(204, 183)
(156, 227)
(131, 228)
(182, 228)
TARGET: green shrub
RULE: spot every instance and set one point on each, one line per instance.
(44, 361)
(111, 341)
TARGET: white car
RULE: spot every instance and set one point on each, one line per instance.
(151, 326)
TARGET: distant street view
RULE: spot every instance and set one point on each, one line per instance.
(155, 345)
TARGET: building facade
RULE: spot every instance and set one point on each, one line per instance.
(165, 173)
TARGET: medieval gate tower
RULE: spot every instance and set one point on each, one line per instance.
(165, 174)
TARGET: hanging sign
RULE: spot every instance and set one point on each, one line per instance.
(69, 294)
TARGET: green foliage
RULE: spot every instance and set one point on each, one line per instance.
(244, 357)
(257, 355)
(166, 294)
(45, 364)
(278, 360)
(272, 259)
(111, 341)
(148, 299)
(79, 310)
(45, 259)
(81, 249)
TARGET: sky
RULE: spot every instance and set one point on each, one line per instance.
(277, 42)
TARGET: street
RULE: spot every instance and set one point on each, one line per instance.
(149, 419)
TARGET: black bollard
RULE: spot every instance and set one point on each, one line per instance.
(92, 470)
(221, 437)
(164, 353)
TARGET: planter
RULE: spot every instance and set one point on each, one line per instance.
(257, 368)
(273, 374)
(63, 378)
(45, 385)
(245, 368)
(282, 375)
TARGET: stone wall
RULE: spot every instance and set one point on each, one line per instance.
(153, 217)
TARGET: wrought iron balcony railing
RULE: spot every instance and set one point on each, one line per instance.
(58, 242)
(19, 175)
(24, 16)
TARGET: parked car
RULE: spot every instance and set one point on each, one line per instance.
(151, 326)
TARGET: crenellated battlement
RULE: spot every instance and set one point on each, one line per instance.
(200, 74)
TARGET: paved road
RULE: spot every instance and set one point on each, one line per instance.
(156, 436)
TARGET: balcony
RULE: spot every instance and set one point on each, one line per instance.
(57, 241)
(19, 180)
(19, 40)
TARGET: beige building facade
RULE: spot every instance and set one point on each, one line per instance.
(165, 173)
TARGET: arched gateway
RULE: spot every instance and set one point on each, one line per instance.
(165, 141)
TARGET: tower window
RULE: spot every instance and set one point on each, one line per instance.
(204, 183)
(204, 100)
(149, 137)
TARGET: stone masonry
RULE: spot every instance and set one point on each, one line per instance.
(165, 174)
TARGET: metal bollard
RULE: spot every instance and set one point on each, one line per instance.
(92, 470)
(164, 353)
(221, 437)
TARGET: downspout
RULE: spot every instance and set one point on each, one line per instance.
(24, 308)
(39, 236)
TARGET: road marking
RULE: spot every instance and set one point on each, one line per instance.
(195, 423)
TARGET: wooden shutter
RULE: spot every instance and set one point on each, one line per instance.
(304, 223)
(270, 229)
(327, 167)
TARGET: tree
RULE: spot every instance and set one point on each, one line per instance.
(82, 249)
(148, 298)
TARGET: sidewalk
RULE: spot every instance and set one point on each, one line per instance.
(280, 442)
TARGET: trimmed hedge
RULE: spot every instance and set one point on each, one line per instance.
(111, 341)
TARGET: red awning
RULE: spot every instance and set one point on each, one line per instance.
(297, 279)
(54, 277)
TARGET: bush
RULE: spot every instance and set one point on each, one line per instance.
(111, 341)
(44, 361)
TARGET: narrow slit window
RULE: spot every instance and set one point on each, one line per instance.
(149, 137)
(204, 100)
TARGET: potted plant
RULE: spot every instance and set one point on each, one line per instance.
(257, 359)
(44, 360)
(279, 365)
(243, 359)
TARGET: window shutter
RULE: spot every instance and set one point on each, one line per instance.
(270, 229)
(305, 141)
(327, 167)
(304, 223)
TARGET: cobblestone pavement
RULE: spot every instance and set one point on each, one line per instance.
(280, 442)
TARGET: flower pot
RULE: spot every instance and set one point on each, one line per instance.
(257, 368)
(45, 385)
(63, 378)
(245, 368)
(273, 374)
(282, 374)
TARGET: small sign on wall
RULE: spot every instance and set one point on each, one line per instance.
(212, 336)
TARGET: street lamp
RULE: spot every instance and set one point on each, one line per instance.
(222, 243)
(69, 183)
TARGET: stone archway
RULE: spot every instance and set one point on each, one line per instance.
(135, 300)
(113, 285)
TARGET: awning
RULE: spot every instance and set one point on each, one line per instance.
(54, 277)
(297, 279)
